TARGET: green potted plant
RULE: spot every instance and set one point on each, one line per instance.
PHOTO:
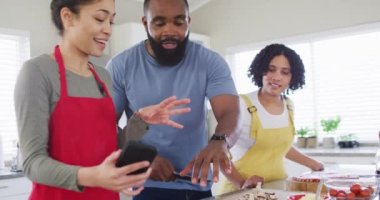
(302, 137)
(306, 138)
(329, 126)
(312, 141)
(348, 141)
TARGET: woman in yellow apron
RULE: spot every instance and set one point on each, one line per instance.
(267, 130)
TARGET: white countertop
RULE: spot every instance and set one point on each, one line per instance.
(352, 169)
(341, 152)
(281, 195)
(6, 174)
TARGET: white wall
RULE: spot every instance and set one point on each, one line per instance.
(228, 22)
(34, 16)
(231, 23)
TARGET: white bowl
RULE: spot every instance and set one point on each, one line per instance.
(341, 188)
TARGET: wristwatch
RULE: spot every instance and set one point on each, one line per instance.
(220, 137)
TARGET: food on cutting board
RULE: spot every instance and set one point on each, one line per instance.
(303, 197)
(308, 197)
(258, 194)
(296, 196)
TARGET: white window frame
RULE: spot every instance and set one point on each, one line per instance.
(10, 138)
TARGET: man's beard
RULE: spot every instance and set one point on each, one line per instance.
(168, 57)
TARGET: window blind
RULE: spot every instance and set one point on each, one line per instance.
(347, 73)
(14, 50)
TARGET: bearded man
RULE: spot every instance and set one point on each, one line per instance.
(167, 64)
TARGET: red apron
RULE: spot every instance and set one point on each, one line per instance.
(81, 132)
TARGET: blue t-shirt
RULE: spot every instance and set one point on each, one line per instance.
(139, 80)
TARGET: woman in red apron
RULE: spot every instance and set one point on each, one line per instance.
(68, 132)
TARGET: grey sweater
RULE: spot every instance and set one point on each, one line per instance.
(36, 94)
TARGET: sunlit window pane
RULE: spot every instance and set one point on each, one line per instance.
(14, 50)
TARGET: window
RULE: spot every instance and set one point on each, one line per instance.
(14, 50)
(342, 78)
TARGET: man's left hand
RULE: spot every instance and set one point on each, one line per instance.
(215, 152)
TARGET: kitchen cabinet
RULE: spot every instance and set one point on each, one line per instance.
(125, 36)
(20, 188)
(15, 188)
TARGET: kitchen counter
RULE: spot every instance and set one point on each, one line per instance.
(367, 151)
(360, 155)
(6, 174)
(352, 169)
(282, 194)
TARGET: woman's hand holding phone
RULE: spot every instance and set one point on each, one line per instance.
(108, 176)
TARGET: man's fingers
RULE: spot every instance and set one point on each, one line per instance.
(187, 169)
(175, 103)
(179, 111)
(173, 124)
(196, 168)
(167, 171)
(163, 169)
(204, 172)
(166, 102)
(226, 164)
(215, 167)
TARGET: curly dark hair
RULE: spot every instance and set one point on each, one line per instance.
(260, 65)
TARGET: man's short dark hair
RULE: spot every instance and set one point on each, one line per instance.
(146, 5)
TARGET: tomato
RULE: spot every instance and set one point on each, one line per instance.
(296, 197)
(371, 189)
(350, 196)
(333, 192)
(341, 194)
(365, 193)
(355, 188)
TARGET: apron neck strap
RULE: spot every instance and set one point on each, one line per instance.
(62, 74)
(102, 86)
(61, 70)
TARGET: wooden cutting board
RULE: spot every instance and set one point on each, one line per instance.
(281, 195)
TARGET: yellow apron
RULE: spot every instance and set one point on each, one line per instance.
(266, 157)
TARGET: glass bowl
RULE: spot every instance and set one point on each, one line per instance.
(358, 187)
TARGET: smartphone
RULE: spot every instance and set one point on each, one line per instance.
(135, 151)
